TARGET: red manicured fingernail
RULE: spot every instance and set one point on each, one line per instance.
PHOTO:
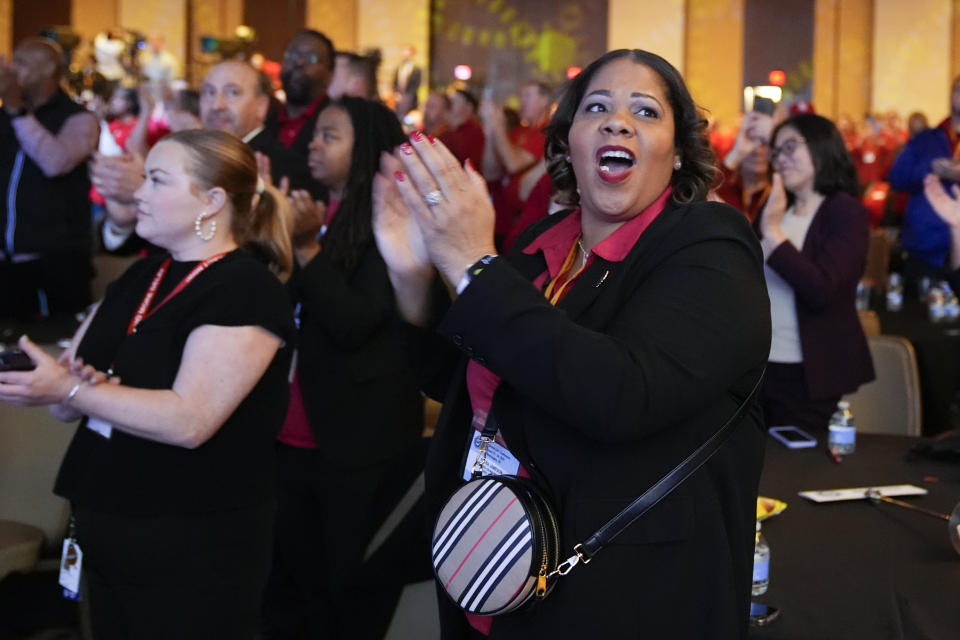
(432, 139)
(416, 136)
(398, 175)
(470, 165)
(406, 149)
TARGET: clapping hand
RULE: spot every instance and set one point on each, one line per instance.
(117, 177)
(775, 208)
(947, 207)
(10, 90)
(946, 168)
(398, 236)
(491, 115)
(754, 131)
(450, 204)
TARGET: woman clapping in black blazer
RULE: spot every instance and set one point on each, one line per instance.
(613, 340)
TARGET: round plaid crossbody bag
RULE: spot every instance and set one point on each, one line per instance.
(496, 543)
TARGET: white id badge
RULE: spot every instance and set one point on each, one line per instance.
(70, 562)
(499, 460)
(99, 426)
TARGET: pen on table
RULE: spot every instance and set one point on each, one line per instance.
(834, 456)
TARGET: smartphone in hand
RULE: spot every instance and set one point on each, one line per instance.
(763, 105)
(15, 360)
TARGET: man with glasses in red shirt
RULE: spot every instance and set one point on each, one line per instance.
(307, 70)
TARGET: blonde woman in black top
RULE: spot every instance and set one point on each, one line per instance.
(170, 472)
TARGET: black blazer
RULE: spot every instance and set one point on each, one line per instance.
(361, 399)
(824, 277)
(636, 367)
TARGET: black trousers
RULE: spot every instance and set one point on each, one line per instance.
(198, 576)
(787, 402)
(325, 520)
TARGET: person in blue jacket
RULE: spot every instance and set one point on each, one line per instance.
(925, 237)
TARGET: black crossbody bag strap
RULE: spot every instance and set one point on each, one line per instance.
(614, 527)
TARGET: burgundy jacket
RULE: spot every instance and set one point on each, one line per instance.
(824, 276)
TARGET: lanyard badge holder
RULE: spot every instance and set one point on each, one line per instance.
(71, 560)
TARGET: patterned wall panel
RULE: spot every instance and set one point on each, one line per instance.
(714, 57)
(510, 42)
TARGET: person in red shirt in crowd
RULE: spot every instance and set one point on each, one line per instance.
(744, 170)
(307, 70)
(465, 138)
(878, 148)
(721, 139)
(848, 131)
(511, 159)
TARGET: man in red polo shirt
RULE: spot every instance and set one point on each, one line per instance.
(307, 69)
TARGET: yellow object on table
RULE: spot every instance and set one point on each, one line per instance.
(769, 507)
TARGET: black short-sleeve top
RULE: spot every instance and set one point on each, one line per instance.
(233, 469)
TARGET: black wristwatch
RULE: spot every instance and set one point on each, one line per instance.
(473, 271)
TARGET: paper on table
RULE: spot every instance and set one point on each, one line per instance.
(859, 493)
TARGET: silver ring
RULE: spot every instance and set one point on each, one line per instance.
(433, 198)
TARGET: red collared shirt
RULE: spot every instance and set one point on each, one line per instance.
(289, 127)
(556, 241)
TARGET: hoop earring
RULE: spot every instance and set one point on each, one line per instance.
(196, 226)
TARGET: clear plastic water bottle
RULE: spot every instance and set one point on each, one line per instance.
(843, 431)
(951, 306)
(761, 564)
(936, 304)
(894, 292)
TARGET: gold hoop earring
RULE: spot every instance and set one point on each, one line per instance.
(196, 226)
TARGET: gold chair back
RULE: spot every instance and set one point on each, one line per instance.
(891, 403)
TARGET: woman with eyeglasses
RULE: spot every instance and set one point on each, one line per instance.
(814, 234)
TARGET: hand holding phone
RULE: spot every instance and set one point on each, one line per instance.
(763, 105)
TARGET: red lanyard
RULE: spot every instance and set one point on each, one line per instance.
(142, 311)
